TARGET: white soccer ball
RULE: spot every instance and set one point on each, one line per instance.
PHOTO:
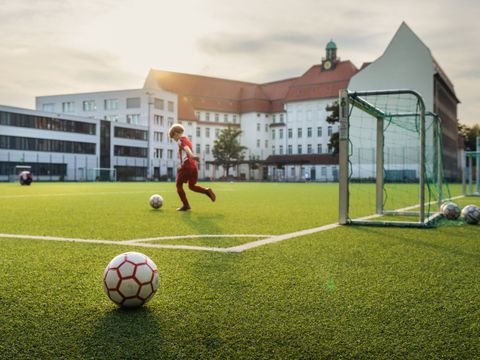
(130, 279)
(445, 204)
(156, 201)
(451, 211)
(471, 214)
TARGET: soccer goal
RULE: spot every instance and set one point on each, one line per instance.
(390, 160)
(471, 173)
(102, 174)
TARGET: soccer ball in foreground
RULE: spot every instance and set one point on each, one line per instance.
(130, 279)
(471, 214)
(445, 204)
(156, 201)
(451, 211)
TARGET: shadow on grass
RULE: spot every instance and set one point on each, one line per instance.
(412, 238)
(125, 334)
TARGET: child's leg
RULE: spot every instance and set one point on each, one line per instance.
(197, 188)
(181, 192)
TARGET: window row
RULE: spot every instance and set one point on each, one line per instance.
(49, 145)
(130, 151)
(46, 123)
(310, 149)
(300, 132)
(127, 133)
(108, 104)
(226, 118)
(8, 168)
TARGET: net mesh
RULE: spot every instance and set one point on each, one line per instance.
(401, 153)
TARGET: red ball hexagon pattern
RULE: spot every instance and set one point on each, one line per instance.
(130, 279)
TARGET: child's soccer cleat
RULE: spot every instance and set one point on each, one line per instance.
(184, 208)
(211, 194)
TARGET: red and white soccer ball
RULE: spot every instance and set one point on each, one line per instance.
(156, 201)
(130, 279)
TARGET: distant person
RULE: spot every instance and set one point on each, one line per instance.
(25, 178)
(188, 170)
(307, 177)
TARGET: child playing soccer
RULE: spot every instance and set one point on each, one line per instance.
(188, 171)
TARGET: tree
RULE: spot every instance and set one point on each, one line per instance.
(332, 119)
(227, 150)
(470, 135)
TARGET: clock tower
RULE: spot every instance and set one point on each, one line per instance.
(330, 61)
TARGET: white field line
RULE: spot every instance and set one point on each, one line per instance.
(194, 236)
(234, 249)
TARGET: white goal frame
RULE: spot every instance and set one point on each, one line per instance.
(95, 174)
(348, 98)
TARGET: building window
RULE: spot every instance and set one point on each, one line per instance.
(290, 150)
(130, 151)
(273, 119)
(281, 118)
(217, 132)
(280, 133)
(170, 154)
(258, 126)
(112, 118)
(258, 143)
(197, 115)
(158, 104)
(273, 150)
(158, 136)
(234, 119)
(319, 148)
(225, 118)
(309, 132)
(133, 119)
(290, 133)
(68, 107)
(266, 144)
(158, 153)
(48, 107)
(111, 104)
(207, 116)
(216, 117)
(198, 131)
(323, 171)
(299, 132)
(207, 149)
(329, 130)
(266, 127)
(207, 166)
(319, 131)
(197, 148)
(170, 122)
(309, 148)
(126, 133)
(89, 105)
(170, 106)
(207, 132)
(281, 149)
(133, 103)
(273, 133)
(158, 120)
(299, 149)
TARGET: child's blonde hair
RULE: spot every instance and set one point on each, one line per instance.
(175, 129)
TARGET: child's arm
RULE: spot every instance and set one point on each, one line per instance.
(190, 153)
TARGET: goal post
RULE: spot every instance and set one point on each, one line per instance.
(390, 159)
(102, 174)
(471, 171)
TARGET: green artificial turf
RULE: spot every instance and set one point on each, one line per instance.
(349, 292)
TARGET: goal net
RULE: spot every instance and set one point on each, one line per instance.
(471, 173)
(102, 174)
(391, 169)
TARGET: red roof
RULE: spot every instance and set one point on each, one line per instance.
(197, 92)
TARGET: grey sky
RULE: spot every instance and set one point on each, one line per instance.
(62, 46)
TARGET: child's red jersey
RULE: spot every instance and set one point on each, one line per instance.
(184, 157)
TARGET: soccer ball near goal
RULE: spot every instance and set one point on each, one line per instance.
(451, 211)
(445, 204)
(471, 214)
(156, 201)
(130, 279)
